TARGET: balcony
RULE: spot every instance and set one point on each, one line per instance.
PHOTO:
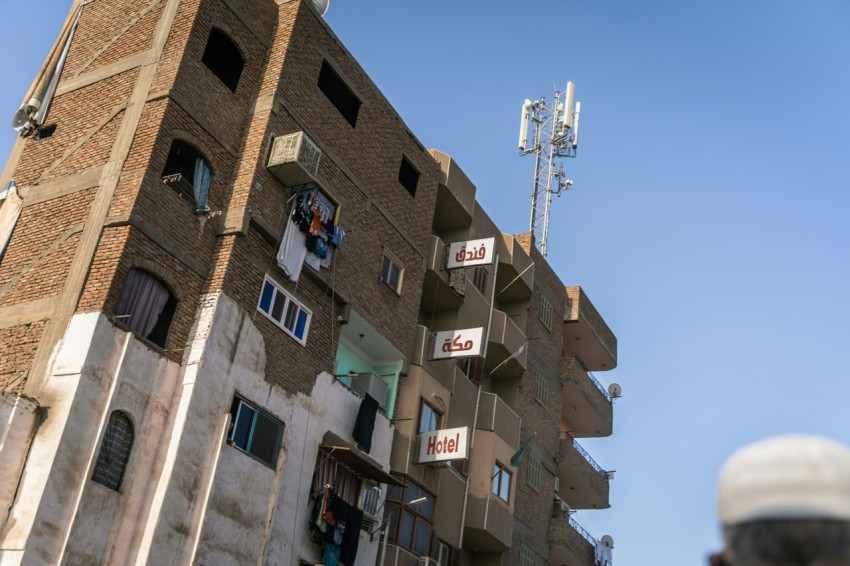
(455, 196)
(583, 482)
(569, 543)
(436, 292)
(505, 340)
(489, 519)
(515, 278)
(586, 335)
(586, 408)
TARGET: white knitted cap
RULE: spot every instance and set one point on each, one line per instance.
(785, 477)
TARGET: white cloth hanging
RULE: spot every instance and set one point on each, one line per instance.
(292, 251)
(10, 211)
(201, 182)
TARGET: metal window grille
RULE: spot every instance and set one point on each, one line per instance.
(114, 451)
(541, 393)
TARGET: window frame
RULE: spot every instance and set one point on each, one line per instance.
(541, 389)
(395, 508)
(547, 312)
(239, 402)
(289, 300)
(393, 264)
(438, 416)
(501, 471)
(532, 478)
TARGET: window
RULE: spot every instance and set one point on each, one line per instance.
(285, 311)
(332, 85)
(391, 274)
(114, 451)
(473, 368)
(429, 418)
(409, 511)
(546, 312)
(479, 278)
(146, 306)
(533, 473)
(526, 556)
(254, 431)
(223, 58)
(501, 482)
(541, 393)
(188, 174)
(408, 176)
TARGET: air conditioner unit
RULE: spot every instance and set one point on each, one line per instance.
(294, 159)
(428, 561)
(372, 384)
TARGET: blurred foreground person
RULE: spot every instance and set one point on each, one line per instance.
(785, 501)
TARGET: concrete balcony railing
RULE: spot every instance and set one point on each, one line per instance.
(586, 408)
(586, 335)
(489, 524)
(515, 278)
(495, 415)
(569, 543)
(436, 291)
(583, 483)
(505, 340)
(455, 196)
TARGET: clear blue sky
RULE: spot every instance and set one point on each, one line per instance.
(708, 220)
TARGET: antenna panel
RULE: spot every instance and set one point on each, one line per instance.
(523, 124)
(567, 117)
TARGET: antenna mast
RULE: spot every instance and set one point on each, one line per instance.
(555, 136)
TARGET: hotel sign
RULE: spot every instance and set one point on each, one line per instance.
(458, 343)
(441, 445)
(471, 252)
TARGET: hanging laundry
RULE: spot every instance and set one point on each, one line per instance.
(364, 425)
(331, 554)
(10, 211)
(338, 235)
(326, 262)
(292, 251)
(457, 281)
(313, 261)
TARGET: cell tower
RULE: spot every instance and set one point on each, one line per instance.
(555, 136)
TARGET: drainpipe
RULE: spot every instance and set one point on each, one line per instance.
(478, 401)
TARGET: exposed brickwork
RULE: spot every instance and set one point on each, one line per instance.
(17, 348)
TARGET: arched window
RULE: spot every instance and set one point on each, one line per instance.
(222, 57)
(146, 306)
(188, 173)
(114, 451)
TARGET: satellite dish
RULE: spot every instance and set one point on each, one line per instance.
(608, 541)
(22, 116)
(321, 6)
(615, 391)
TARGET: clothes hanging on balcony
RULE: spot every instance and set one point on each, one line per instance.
(292, 251)
(10, 210)
(364, 425)
(457, 281)
(603, 554)
(331, 555)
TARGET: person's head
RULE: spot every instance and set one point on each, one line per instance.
(785, 501)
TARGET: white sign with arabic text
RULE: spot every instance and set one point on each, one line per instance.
(458, 343)
(471, 252)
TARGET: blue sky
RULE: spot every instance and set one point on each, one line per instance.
(707, 222)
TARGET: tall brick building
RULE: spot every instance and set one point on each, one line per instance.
(217, 306)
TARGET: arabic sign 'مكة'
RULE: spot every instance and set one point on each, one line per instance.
(469, 253)
(458, 343)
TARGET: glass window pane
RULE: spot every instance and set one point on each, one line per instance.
(392, 512)
(242, 426)
(291, 312)
(301, 324)
(277, 308)
(394, 492)
(266, 297)
(495, 481)
(505, 485)
(264, 441)
(385, 269)
(426, 508)
(405, 530)
(422, 538)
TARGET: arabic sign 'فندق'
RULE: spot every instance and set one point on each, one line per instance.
(472, 252)
(458, 343)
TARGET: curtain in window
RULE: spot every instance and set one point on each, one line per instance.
(114, 451)
(202, 180)
(10, 210)
(141, 302)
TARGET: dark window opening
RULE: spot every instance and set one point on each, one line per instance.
(408, 176)
(114, 451)
(223, 58)
(479, 278)
(146, 306)
(255, 432)
(188, 174)
(332, 85)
